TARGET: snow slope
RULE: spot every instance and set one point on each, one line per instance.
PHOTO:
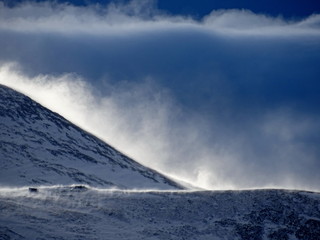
(41, 147)
(70, 212)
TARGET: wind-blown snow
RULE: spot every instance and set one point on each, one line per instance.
(40, 147)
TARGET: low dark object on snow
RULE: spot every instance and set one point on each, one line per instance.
(80, 188)
(33, 190)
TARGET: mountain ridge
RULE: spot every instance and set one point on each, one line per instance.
(32, 132)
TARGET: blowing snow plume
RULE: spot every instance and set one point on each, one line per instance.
(39, 147)
(227, 101)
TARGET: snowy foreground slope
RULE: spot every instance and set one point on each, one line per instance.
(41, 147)
(72, 212)
(60, 182)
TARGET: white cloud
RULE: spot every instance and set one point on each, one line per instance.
(142, 16)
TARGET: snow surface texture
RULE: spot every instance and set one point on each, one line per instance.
(59, 182)
(41, 147)
(80, 212)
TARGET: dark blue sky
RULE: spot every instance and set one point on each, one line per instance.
(287, 8)
(199, 8)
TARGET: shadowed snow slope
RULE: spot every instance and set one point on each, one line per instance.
(40, 147)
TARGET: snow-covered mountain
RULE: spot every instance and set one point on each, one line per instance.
(39, 147)
(60, 182)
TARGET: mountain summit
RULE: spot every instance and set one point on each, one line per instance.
(40, 147)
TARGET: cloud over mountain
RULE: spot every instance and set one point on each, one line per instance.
(227, 101)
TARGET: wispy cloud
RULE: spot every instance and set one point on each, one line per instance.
(141, 15)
